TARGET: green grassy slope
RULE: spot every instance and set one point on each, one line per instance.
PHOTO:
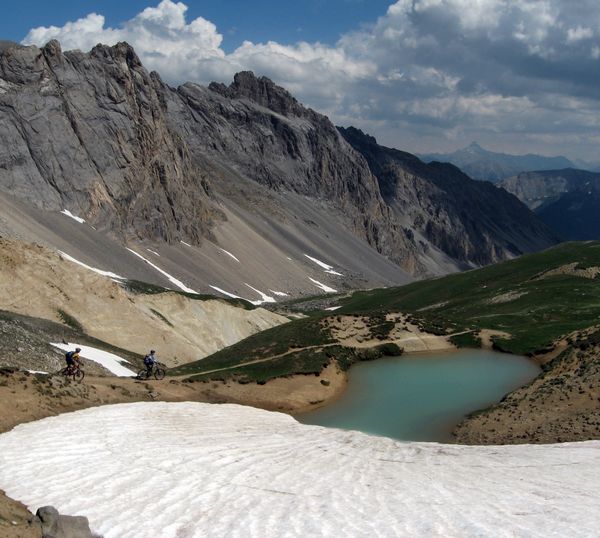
(548, 307)
(543, 310)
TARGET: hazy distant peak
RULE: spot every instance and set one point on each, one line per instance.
(483, 164)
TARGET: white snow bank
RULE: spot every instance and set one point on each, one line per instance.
(279, 293)
(196, 470)
(328, 268)
(264, 298)
(171, 278)
(37, 372)
(110, 361)
(233, 296)
(324, 287)
(74, 217)
(332, 308)
(319, 262)
(108, 274)
(229, 254)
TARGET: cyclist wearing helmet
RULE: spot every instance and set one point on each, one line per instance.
(150, 361)
(73, 359)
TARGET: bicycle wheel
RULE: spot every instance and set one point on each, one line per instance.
(78, 375)
(159, 373)
(143, 374)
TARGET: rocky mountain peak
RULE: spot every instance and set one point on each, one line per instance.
(356, 134)
(52, 48)
(261, 90)
(474, 147)
(5, 45)
(122, 51)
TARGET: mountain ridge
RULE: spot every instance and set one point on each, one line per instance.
(482, 164)
(244, 166)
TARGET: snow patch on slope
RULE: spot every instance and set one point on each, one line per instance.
(229, 254)
(233, 296)
(110, 361)
(196, 470)
(74, 217)
(279, 293)
(328, 268)
(264, 298)
(108, 274)
(171, 278)
(324, 287)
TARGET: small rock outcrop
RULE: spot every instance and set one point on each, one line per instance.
(55, 525)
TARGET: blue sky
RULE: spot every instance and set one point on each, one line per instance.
(516, 76)
(284, 21)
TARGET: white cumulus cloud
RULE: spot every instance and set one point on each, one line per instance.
(428, 74)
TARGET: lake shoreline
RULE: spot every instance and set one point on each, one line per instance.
(422, 397)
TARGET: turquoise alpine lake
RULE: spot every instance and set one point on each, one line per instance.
(422, 397)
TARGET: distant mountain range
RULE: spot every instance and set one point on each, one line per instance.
(567, 200)
(482, 164)
(237, 189)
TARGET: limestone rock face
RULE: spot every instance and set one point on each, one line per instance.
(88, 132)
(261, 132)
(97, 134)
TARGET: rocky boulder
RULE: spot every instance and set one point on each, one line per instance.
(55, 525)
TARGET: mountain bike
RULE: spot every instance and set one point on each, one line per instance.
(158, 371)
(74, 371)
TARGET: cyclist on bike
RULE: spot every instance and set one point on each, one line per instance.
(150, 361)
(73, 359)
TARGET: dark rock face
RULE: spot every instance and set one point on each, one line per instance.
(567, 200)
(55, 525)
(470, 221)
(97, 134)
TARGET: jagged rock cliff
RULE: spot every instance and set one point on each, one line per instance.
(97, 134)
(261, 132)
(471, 221)
(88, 132)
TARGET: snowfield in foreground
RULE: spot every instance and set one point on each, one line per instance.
(200, 470)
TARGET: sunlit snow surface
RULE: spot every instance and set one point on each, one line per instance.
(110, 361)
(328, 268)
(171, 278)
(108, 274)
(230, 255)
(324, 287)
(74, 217)
(200, 470)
